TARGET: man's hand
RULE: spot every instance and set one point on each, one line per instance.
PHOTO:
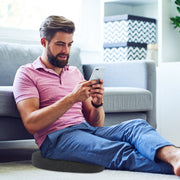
(85, 89)
(94, 116)
(97, 92)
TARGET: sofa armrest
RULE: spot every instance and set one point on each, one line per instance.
(137, 74)
(126, 74)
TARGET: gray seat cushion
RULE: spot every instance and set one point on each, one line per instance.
(116, 99)
(127, 99)
(61, 165)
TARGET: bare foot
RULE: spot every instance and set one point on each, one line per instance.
(177, 168)
(176, 163)
(170, 154)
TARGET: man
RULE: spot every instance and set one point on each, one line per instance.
(65, 113)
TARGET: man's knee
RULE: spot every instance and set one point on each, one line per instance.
(138, 122)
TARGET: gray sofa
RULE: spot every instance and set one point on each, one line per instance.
(130, 88)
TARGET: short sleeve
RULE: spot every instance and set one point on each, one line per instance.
(24, 86)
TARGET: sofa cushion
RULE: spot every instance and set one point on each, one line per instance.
(12, 56)
(7, 103)
(75, 59)
(127, 99)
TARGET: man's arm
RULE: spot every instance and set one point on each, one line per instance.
(35, 119)
(95, 115)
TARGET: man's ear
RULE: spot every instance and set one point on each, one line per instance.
(43, 42)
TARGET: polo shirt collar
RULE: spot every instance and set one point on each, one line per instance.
(39, 65)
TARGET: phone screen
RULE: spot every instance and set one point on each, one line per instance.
(97, 73)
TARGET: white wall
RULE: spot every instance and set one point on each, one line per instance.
(111, 9)
(170, 36)
(149, 10)
(168, 75)
(91, 34)
(145, 10)
(168, 101)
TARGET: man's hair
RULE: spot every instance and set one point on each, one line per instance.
(53, 24)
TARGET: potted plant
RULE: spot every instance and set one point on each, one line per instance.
(176, 20)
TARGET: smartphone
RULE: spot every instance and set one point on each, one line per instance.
(97, 73)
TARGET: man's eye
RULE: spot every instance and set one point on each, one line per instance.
(60, 44)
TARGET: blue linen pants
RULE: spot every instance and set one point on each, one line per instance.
(130, 145)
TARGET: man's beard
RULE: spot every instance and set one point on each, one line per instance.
(53, 60)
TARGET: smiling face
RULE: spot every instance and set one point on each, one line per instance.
(58, 49)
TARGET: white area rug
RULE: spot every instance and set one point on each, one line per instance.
(23, 170)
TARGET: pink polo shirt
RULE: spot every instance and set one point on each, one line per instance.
(35, 80)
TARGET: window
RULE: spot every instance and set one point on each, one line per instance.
(20, 19)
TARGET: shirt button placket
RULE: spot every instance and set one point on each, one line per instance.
(60, 80)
